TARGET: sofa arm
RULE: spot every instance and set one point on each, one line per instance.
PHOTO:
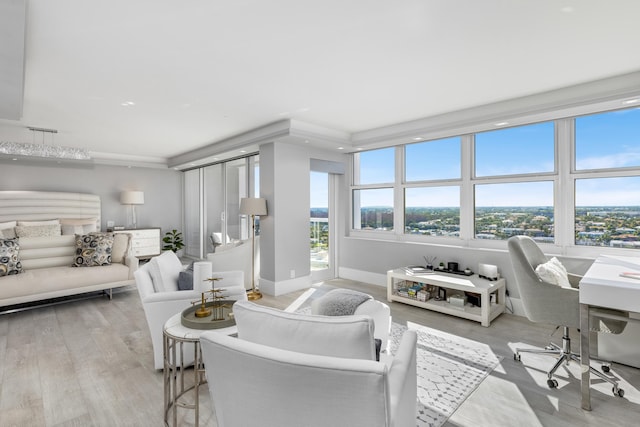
(403, 385)
(133, 263)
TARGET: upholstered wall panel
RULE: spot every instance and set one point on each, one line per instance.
(42, 205)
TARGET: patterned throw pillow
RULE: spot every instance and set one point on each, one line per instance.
(93, 249)
(10, 257)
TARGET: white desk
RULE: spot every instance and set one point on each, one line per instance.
(602, 286)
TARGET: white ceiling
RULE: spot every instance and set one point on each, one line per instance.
(199, 71)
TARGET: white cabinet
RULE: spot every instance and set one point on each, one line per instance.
(490, 294)
(145, 242)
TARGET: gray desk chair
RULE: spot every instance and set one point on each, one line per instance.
(545, 302)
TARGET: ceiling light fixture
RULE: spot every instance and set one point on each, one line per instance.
(631, 101)
(418, 138)
(43, 150)
(340, 148)
(501, 123)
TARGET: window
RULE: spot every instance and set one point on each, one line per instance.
(375, 166)
(375, 210)
(510, 209)
(373, 177)
(432, 211)
(608, 140)
(515, 151)
(495, 184)
(608, 212)
(433, 160)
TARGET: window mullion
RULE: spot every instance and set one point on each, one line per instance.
(467, 205)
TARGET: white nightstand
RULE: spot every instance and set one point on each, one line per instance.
(145, 242)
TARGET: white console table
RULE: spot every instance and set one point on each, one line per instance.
(484, 288)
(145, 242)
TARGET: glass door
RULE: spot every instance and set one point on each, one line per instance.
(321, 234)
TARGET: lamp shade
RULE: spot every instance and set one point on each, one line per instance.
(132, 198)
(257, 206)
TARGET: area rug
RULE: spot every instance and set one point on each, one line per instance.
(450, 368)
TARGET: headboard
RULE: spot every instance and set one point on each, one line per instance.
(43, 205)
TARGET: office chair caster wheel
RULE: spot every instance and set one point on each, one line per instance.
(516, 357)
(606, 368)
(618, 392)
(552, 383)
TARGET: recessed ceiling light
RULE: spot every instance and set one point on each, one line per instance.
(340, 148)
(128, 103)
(192, 164)
(631, 101)
(359, 148)
(418, 138)
(243, 151)
(215, 158)
(501, 123)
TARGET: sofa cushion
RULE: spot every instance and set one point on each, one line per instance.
(164, 270)
(38, 230)
(10, 257)
(93, 249)
(337, 336)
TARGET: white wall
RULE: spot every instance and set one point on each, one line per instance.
(284, 238)
(162, 189)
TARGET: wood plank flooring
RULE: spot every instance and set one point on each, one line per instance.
(90, 363)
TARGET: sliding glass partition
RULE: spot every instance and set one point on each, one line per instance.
(212, 204)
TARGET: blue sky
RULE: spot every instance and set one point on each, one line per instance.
(608, 140)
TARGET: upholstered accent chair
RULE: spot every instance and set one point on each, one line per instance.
(289, 369)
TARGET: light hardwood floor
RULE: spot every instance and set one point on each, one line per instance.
(90, 363)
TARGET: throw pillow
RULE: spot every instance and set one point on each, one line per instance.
(34, 223)
(79, 226)
(185, 279)
(38, 230)
(93, 249)
(8, 233)
(553, 272)
(120, 248)
(10, 257)
(164, 270)
(7, 229)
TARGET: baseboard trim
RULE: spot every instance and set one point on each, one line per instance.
(275, 289)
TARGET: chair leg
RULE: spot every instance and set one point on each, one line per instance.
(566, 355)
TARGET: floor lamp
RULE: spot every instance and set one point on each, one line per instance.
(253, 207)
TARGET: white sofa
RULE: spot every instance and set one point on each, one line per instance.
(307, 370)
(48, 271)
(162, 301)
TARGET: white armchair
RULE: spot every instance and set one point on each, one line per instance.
(237, 256)
(309, 370)
(159, 305)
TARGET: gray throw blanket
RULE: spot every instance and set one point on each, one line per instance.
(341, 302)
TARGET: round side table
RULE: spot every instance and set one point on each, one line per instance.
(177, 338)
